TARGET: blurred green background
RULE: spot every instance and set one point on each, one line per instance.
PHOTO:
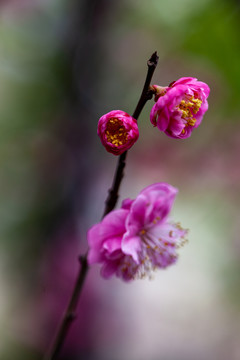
(63, 64)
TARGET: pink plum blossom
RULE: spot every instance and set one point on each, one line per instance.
(180, 107)
(118, 131)
(132, 241)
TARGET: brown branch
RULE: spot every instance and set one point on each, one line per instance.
(111, 201)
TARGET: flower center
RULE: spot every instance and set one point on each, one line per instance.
(159, 250)
(115, 132)
(188, 108)
(156, 252)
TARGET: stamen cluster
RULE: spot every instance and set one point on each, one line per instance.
(116, 133)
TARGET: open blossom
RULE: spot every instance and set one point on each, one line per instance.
(118, 131)
(180, 107)
(138, 238)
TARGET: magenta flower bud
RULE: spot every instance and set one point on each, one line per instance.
(118, 131)
(180, 107)
(133, 241)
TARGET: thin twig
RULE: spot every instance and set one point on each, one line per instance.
(111, 201)
(119, 173)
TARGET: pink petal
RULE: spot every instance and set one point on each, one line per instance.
(184, 80)
(131, 245)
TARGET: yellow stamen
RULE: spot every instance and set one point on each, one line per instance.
(115, 132)
(188, 108)
(192, 122)
(197, 104)
(155, 221)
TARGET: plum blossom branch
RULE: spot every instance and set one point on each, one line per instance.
(70, 313)
(119, 173)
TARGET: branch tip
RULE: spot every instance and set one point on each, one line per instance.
(153, 59)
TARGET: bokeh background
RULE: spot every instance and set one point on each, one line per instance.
(62, 65)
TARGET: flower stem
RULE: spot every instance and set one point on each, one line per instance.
(119, 173)
(70, 313)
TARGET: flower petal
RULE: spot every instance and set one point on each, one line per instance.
(131, 245)
(112, 225)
